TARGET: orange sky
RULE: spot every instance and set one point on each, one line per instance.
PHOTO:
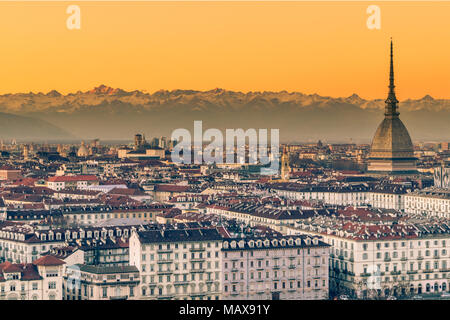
(322, 48)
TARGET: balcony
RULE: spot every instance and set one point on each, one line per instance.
(118, 298)
(165, 261)
(197, 249)
(387, 259)
(436, 256)
(395, 272)
(411, 272)
(164, 272)
(366, 274)
(198, 271)
(164, 251)
(404, 259)
(419, 258)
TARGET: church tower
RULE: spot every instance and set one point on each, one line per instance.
(285, 168)
(392, 151)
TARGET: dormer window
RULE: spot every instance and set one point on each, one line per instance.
(267, 242)
(241, 243)
(283, 242)
(275, 242)
(251, 243)
(225, 245)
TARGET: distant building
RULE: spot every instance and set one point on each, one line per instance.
(433, 202)
(442, 175)
(83, 151)
(10, 173)
(64, 182)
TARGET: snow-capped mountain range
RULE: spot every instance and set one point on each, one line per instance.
(112, 113)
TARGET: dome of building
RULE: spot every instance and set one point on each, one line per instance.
(392, 140)
(82, 151)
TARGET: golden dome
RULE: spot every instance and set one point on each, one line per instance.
(392, 140)
(82, 151)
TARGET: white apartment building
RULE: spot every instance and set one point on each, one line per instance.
(63, 182)
(95, 282)
(255, 214)
(25, 243)
(40, 280)
(287, 268)
(389, 198)
(430, 202)
(381, 260)
(178, 263)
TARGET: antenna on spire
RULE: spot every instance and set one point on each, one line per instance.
(391, 101)
(391, 74)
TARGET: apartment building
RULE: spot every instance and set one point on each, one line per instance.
(39, 280)
(286, 268)
(178, 263)
(64, 182)
(26, 243)
(379, 260)
(386, 197)
(430, 202)
(97, 282)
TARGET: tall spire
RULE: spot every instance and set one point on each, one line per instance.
(391, 101)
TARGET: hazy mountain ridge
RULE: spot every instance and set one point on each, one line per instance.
(107, 112)
(20, 127)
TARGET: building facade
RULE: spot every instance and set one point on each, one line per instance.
(286, 268)
(178, 264)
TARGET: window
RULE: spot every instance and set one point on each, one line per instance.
(52, 285)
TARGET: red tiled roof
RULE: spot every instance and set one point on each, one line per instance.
(48, 261)
(171, 188)
(73, 178)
